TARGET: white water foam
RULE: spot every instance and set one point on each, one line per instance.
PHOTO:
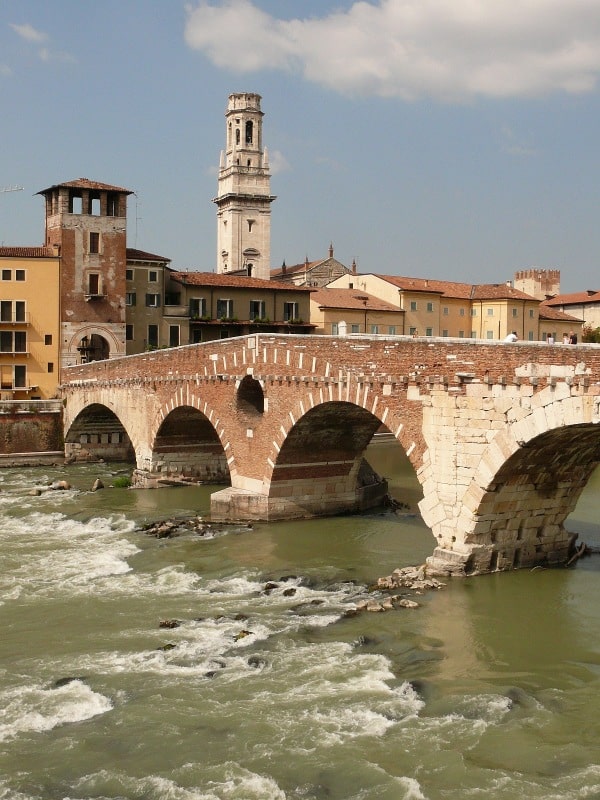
(53, 554)
(230, 782)
(34, 709)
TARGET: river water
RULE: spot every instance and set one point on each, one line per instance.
(491, 688)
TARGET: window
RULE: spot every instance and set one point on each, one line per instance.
(290, 311)
(94, 242)
(446, 311)
(153, 300)
(95, 205)
(19, 311)
(461, 334)
(473, 334)
(428, 331)
(19, 274)
(6, 342)
(531, 313)
(413, 305)
(257, 309)
(51, 366)
(128, 274)
(445, 332)
(112, 204)
(6, 311)
(514, 312)
(129, 333)
(20, 342)
(473, 312)
(374, 328)
(20, 379)
(489, 334)
(152, 335)
(173, 335)
(355, 328)
(224, 309)
(429, 307)
(153, 276)
(94, 284)
(335, 329)
(48, 338)
(7, 274)
(250, 224)
(130, 298)
(197, 307)
(412, 331)
(462, 312)
(530, 336)
(392, 330)
(75, 203)
(249, 127)
(490, 312)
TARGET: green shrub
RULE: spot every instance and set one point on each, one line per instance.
(122, 482)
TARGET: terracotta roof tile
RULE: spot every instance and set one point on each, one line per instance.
(578, 298)
(546, 312)
(350, 298)
(86, 183)
(26, 252)
(142, 255)
(498, 291)
(458, 291)
(242, 282)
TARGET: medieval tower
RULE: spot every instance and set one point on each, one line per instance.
(244, 192)
(86, 224)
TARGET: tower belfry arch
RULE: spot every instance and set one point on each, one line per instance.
(244, 192)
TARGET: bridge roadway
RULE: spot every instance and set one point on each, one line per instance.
(503, 438)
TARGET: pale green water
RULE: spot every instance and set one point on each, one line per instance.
(490, 689)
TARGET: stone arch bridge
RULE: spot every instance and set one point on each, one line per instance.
(503, 438)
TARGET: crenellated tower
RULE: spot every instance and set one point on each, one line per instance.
(244, 192)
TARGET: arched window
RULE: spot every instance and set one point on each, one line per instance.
(249, 131)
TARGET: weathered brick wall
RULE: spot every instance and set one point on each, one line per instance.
(29, 431)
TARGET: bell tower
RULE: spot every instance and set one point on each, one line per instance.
(244, 192)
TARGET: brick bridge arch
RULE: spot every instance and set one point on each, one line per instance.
(479, 424)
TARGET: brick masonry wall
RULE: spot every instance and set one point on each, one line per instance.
(459, 408)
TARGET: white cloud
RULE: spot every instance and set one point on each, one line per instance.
(28, 32)
(452, 50)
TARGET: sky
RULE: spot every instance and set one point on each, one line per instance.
(448, 139)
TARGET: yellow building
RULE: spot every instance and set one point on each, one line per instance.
(29, 323)
(448, 308)
(346, 311)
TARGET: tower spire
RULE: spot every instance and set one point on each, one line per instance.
(244, 192)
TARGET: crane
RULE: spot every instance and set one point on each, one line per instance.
(11, 188)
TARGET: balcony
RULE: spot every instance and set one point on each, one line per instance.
(20, 318)
(176, 311)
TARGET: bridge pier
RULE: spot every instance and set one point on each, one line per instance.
(299, 498)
